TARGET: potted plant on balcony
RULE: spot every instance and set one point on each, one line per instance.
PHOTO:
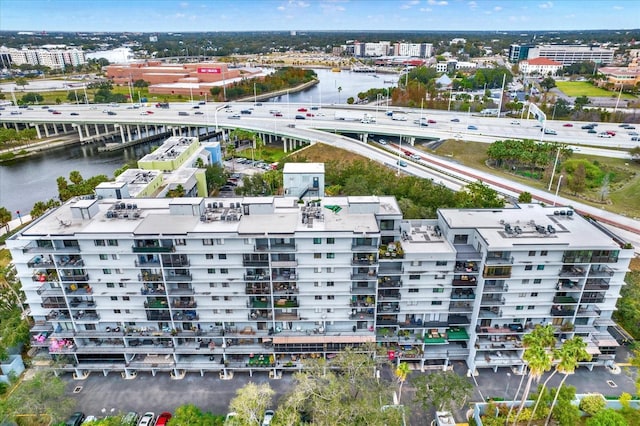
(567, 326)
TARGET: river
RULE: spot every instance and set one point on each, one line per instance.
(25, 182)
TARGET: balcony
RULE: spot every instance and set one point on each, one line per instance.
(497, 272)
(175, 261)
(388, 282)
(75, 277)
(592, 298)
(286, 316)
(565, 284)
(597, 284)
(277, 276)
(40, 262)
(53, 303)
(260, 303)
(156, 303)
(152, 289)
(69, 262)
(58, 315)
(260, 315)
(262, 288)
(455, 320)
(601, 271)
(279, 246)
(363, 259)
(286, 303)
(366, 276)
(468, 267)
(572, 271)
(180, 290)
(495, 286)
(175, 276)
(389, 295)
(388, 307)
(257, 275)
(148, 276)
(146, 263)
(255, 260)
(184, 304)
(363, 290)
(492, 301)
(457, 334)
(283, 261)
(86, 316)
(499, 260)
(158, 315)
(391, 251)
(77, 290)
(153, 246)
(490, 313)
(589, 311)
(561, 311)
(463, 294)
(564, 300)
(460, 307)
(42, 276)
(185, 315)
(47, 290)
(464, 281)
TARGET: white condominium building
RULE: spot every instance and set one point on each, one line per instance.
(261, 283)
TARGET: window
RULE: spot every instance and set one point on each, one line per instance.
(540, 267)
(525, 281)
(532, 253)
(416, 263)
(318, 297)
(114, 297)
(531, 307)
(224, 270)
(317, 241)
(331, 297)
(522, 294)
(122, 285)
(207, 242)
(106, 271)
(537, 281)
(534, 294)
(118, 271)
(436, 302)
(181, 242)
(218, 241)
(414, 277)
(126, 298)
(225, 285)
(460, 239)
(222, 256)
(116, 311)
(112, 243)
(330, 283)
(99, 243)
(331, 240)
(115, 256)
(316, 283)
(330, 310)
(127, 311)
(440, 276)
(215, 298)
(212, 285)
(228, 311)
(544, 253)
(435, 290)
(111, 285)
(317, 270)
(208, 256)
(417, 290)
(211, 270)
(227, 298)
(331, 255)
(441, 263)
(104, 257)
(215, 311)
(528, 267)
(519, 308)
(317, 255)
(331, 270)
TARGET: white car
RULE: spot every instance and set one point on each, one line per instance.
(147, 419)
(604, 135)
(515, 122)
(268, 416)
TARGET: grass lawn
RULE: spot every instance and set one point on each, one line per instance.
(584, 88)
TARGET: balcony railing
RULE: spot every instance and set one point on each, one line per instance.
(257, 289)
(286, 303)
(389, 283)
(499, 260)
(178, 277)
(153, 248)
(180, 290)
(382, 295)
(564, 300)
(573, 271)
(363, 290)
(463, 294)
(492, 301)
(592, 299)
(286, 317)
(184, 304)
(465, 281)
(186, 316)
(364, 260)
(256, 277)
(147, 263)
(602, 271)
(46, 290)
(75, 277)
(158, 315)
(559, 311)
(40, 262)
(597, 284)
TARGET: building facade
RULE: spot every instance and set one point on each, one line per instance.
(55, 58)
(261, 283)
(570, 54)
(539, 66)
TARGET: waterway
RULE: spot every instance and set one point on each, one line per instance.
(25, 182)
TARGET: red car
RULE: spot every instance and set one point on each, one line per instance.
(163, 419)
(56, 112)
(310, 115)
(277, 114)
(302, 110)
(431, 121)
(611, 132)
(567, 125)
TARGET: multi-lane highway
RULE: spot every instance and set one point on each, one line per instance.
(320, 125)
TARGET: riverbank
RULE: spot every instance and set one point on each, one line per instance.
(31, 148)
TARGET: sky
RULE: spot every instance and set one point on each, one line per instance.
(301, 15)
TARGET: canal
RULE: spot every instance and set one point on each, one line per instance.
(25, 182)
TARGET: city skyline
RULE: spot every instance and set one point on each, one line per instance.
(316, 15)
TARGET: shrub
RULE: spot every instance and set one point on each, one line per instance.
(592, 404)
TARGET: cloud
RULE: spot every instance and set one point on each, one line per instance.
(437, 3)
(409, 4)
(425, 9)
(472, 4)
(184, 4)
(281, 8)
(618, 7)
(546, 5)
(180, 15)
(298, 3)
(331, 7)
(497, 9)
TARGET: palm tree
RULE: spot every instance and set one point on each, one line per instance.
(570, 354)
(402, 371)
(339, 90)
(538, 357)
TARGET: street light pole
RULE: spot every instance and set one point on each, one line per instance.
(557, 190)
(506, 391)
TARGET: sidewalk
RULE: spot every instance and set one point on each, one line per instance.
(14, 224)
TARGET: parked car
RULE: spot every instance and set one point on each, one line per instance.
(163, 419)
(75, 419)
(147, 419)
(268, 417)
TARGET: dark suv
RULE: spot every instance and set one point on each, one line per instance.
(75, 419)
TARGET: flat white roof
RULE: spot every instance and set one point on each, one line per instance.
(304, 168)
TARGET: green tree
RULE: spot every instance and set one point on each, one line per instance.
(479, 195)
(75, 177)
(216, 177)
(635, 153)
(350, 100)
(5, 218)
(21, 81)
(32, 98)
(402, 371)
(441, 390)
(592, 404)
(524, 197)
(608, 417)
(190, 415)
(580, 102)
(41, 207)
(251, 401)
(44, 394)
(578, 180)
(548, 83)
